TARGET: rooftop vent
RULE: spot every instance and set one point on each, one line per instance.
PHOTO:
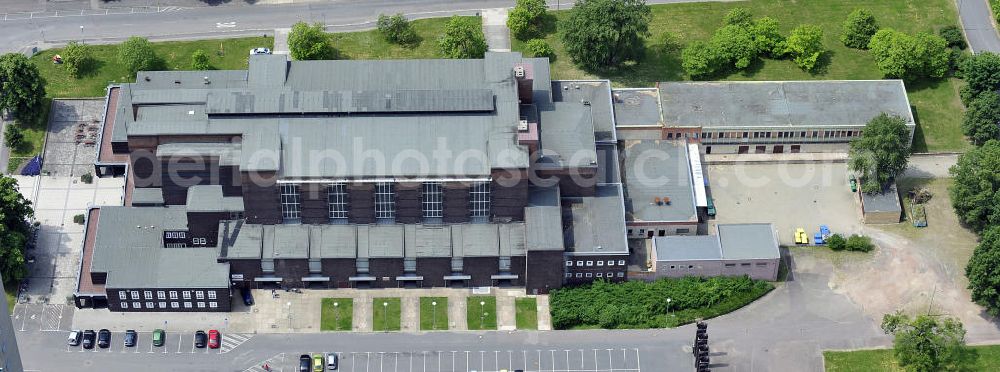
(206, 80)
(585, 102)
(522, 125)
(519, 71)
(177, 81)
(658, 201)
(146, 78)
(666, 200)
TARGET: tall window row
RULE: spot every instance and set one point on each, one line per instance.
(290, 202)
(337, 197)
(385, 201)
(479, 199)
(433, 200)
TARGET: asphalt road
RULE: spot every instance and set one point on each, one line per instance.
(979, 27)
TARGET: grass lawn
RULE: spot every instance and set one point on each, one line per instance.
(385, 317)
(336, 314)
(937, 105)
(527, 313)
(433, 318)
(10, 290)
(370, 45)
(481, 317)
(226, 54)
(34, 136)
(979, 358)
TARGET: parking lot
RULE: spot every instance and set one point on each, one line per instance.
(577, 360)
(174, 343)
(788, 195)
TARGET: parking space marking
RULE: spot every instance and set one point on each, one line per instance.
(565, 360)
(276, 360)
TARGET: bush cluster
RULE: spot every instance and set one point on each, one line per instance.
(637, 304)
(854, 243)
(396, 29)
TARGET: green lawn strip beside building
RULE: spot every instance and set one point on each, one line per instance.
(433, 313)
(337, 314)
(527, 313)
(481, 313)
(385, 314)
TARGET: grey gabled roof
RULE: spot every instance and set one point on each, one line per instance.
(782, 103)
(208, 198)
(655, 168)
(748, 241)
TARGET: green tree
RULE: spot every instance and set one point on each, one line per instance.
(735, 45)
(953, 35)
(974, 191)
(602, 34)
(12, 136)
(805, 45)
(525, 21)
(396, 29)
(983, 271)
(700, 60)
(926, 343)
(136, 54)
(881, 153)
(463, 38)
(22, 88)
(981, 73)
(309, 42)
(858, 243)
(738, 16)
(15, 211)
(899, 55)
(540, 48)
(858, 29)
(78, 58)
(836, 242)
(981, 122)
(767, 37)
(199, 60)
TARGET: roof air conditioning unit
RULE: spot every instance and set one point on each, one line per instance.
(519, 71)
(522, 125)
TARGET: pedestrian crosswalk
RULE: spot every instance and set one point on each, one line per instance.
(231, 341)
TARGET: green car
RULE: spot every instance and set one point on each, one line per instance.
(711, 208)
(159, 337)
(317, 362)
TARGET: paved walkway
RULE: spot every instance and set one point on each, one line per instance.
(495, 29)
(979, 25)
(281, 40)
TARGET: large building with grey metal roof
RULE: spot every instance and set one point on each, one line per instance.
(734, 250)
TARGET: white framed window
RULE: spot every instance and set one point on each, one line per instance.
(621, 275)
(569, 263)
(621, 262)
(123, 305)
(163, 304)
(149, 305)
(135, 295)
(187, 295)
(290, 201)
(590, 263)
(199, 295)
(199, 241)
(123, 295)
(433, 200)
(211, 295)
(611, 262)
(161, 295)
(600, 275)
(147, 295)
(173, 295)
(385, 201)
(174, 305)
(600, 263)
(201, 304)
(479, 199)
(589, 275)
(579, 263)
(579, 275)
(569, 275)
(611, 274)
(136, 305)
(213, 304)
(337, 197)
(187, 305)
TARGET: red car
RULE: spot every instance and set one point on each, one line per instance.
(214, 339)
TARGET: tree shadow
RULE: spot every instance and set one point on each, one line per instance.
(547, 25)
(823, 63)
(91, 67)
(217, 2)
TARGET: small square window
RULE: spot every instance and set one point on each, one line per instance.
(173, 295)
(211, 295)
(569, 263)
(590, 275)
(187, 295)
(213, 304)
(135, 295)
(200, 295)
(569, 275)
(672, 267)
(621, 275)
(122, 294)
(163, 304)
(124, 305)
(745, 264)
(600, 263)
(149, 304)
(621, 262)
(579, 263)
(161, 295)
(600, 275)
(579, 275)
(137, 305)
(611, 262)
(762, 264)
(590, 263)
(690, 266)
(610, 274)
(174, 304)
(730, 265)
(187, 305)
(147, 295)
(201, 304)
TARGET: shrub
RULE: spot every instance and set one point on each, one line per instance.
(858, 29)
(836, 242)
(463, 38)
(136, 54)
(77, 58)
(13, 137)
(78, 219)
(540, 48)
(396, 29)
(525, 20)
(199, 60)
(87, 178)
(805, 45)
(739, 16)
(604, 34)
(953, 35)
(899, 55)
(858, 243)
(310, 42)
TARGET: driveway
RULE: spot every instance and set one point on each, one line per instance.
(977, 20)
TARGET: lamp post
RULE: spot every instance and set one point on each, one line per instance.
(81, 34)
(482, 309)
(385, 316)
(336, 311)
(668, 307)
(434, 311)
(288, 306)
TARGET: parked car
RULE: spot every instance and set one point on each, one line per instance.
(159, 337)
(200, 339)
(331, 361)
(317, 362)
(131, 337)
(75, 336)
(711, 208)
(88, 338)
(214, 339)
(103, 338)
(247, 296)
(260, 51)
(304, 362)
(854, 184)
(801, 237)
